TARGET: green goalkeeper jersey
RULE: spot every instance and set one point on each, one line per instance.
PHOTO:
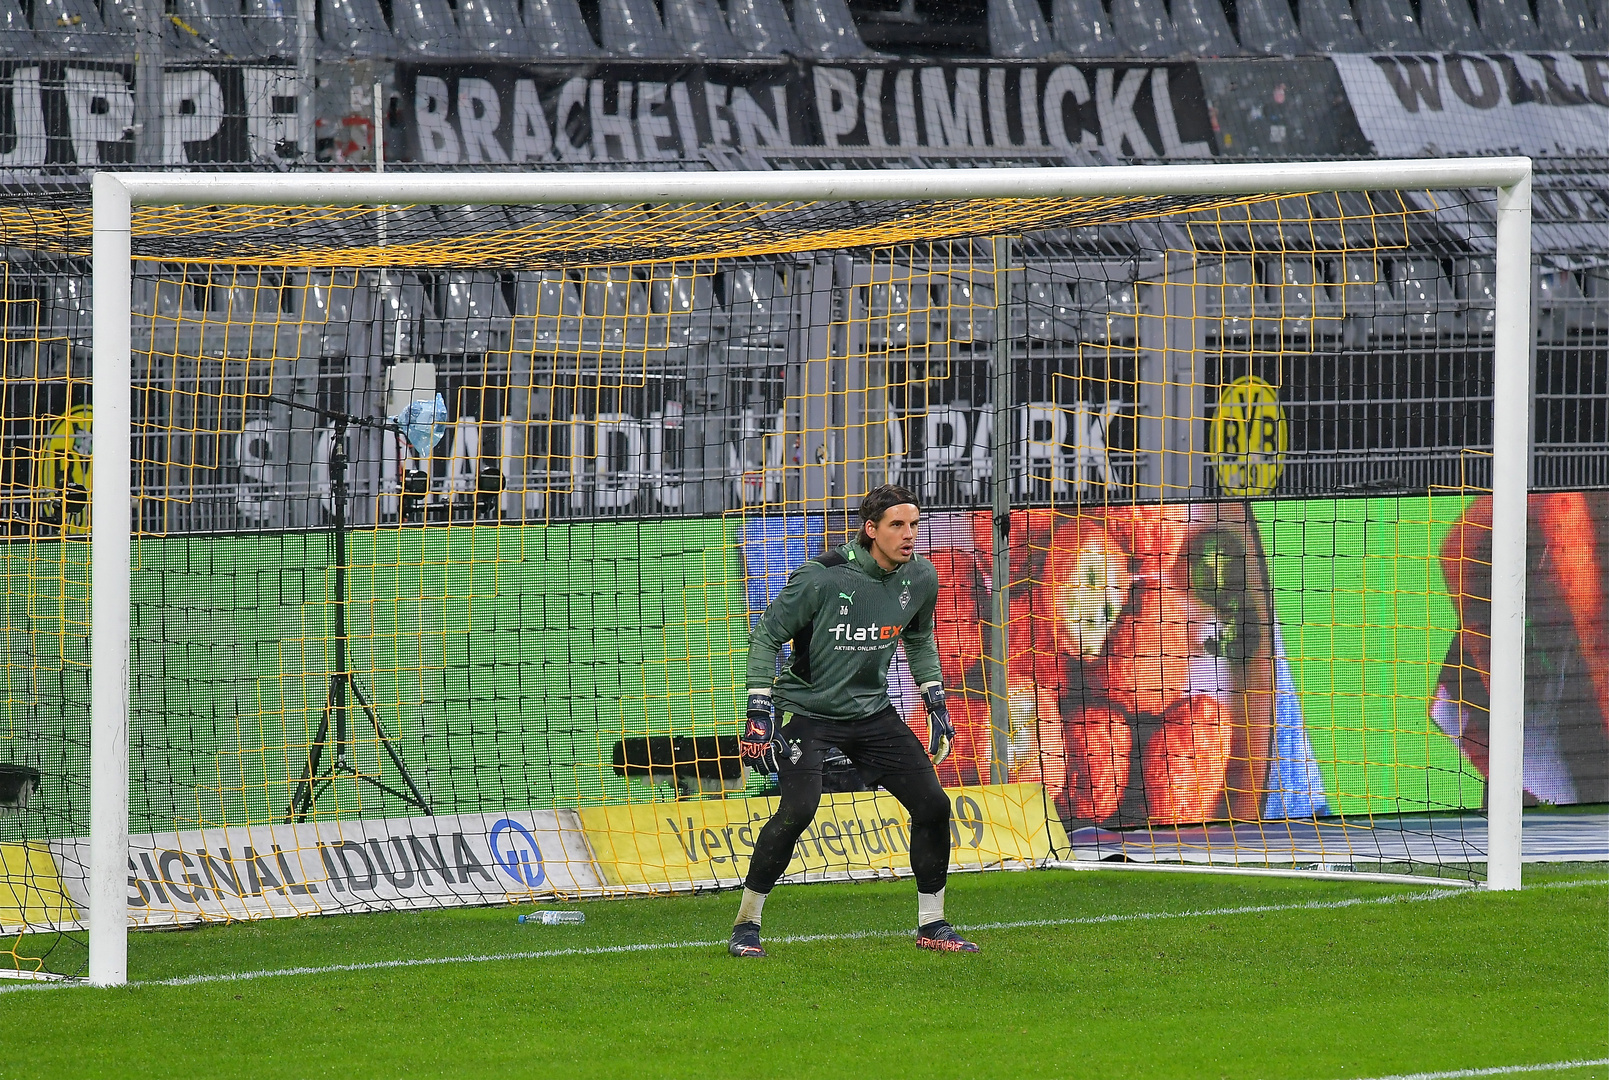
(844, 615)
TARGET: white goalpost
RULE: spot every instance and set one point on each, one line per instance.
(117, 195)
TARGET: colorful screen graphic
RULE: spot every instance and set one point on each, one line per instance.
(1566, 644)
(1180, 663)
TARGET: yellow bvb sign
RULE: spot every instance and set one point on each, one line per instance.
(1248, 438)
(62, 471)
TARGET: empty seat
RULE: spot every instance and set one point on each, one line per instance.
(1330, 26)
(1508, 24)
(757, 301)
(1237, 280)
(1390, 25)
(1108, 310)
(606, 306)
(632, 28)
(1568, 24)
(1266, 27)
(1202, 29)
(1476, 286)
(762, 26)
(493, 29)
(119, 18)
(400, 307)
(1426, 293)
(67, 311)
(1044, 311)
(425, 28)
(556, 29)
(272, 28)
(16, 36)
(1017, 30)
(890, 323)
(1082, 29)
(1449, 26)
(216, 25)
(1288, 288)
(826, 30)
(1143, 28)
(469, 306)
(700, 29)
(70, 28)
(960, 309)
(681, 306)
(355, 29)
(547, 309)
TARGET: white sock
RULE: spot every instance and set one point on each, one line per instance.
(749, 910)
(929, 907)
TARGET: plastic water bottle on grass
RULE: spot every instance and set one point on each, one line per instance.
(552, 918)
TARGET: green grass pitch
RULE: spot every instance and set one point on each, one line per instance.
(1125, 975)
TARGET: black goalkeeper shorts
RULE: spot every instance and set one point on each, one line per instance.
(880, 746)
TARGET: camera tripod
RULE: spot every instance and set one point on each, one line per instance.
(337, 711)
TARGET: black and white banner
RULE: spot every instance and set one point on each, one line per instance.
(55, 113)
(1467, 103)
(268, 871)
(674, 112)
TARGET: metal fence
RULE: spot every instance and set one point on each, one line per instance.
(649, 390)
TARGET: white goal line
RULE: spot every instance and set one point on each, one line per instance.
(1498, 1070)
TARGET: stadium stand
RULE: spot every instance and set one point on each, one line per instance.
(558, 30)
(1508, 24)
(827, 30)
(355, 29)
(524, 31)
(762, 27)
(1144, 29)
(1450, 27)
(1266, 27)
(699, 29)
(1390, 25)
(16, 37)
(1017, 30)
(1203, 29)
(1330, 26)
(494, 30)
(69, 27)
(1083, 30)
(1567, 24)
(425, 29)
(632, 28)
(218, 29)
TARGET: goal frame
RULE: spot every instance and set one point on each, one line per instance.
(115, 194)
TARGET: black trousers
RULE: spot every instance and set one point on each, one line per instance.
(886, 752)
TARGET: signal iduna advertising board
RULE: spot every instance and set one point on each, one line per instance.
(270, 871)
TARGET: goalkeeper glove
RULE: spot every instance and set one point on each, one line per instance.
(760, 745)
(940, 732)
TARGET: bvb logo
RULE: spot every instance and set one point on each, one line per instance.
(1248, 438)
(62, 471)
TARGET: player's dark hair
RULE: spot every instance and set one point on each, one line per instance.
(877, 503)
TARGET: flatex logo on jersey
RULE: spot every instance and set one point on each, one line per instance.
(843, 632)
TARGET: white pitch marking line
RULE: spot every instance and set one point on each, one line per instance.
(1500, 1070)
(853, 935)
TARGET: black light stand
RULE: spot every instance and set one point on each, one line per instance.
(341, 679)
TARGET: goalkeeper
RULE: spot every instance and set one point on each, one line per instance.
(845, 611)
